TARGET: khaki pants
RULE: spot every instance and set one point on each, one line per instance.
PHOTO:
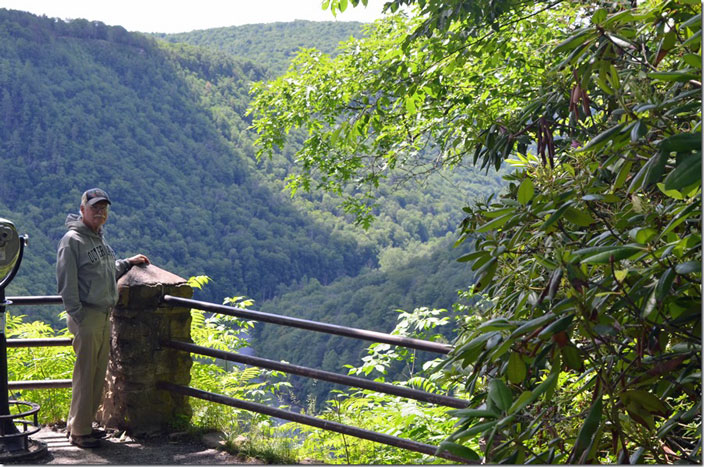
(91, 343)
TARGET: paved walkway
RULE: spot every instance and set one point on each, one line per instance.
(126, 451)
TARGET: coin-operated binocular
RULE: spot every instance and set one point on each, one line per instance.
(11, 251)
(10, 245)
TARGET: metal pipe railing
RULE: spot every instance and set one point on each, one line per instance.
(36, 300)
(44, 342)
(40, 384)
(373, 336)
(320, 374)
(313, 421)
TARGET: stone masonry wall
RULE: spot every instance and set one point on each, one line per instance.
(139, 321)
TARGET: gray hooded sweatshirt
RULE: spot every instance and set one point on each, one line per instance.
(86, 270)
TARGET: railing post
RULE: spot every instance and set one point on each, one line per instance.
(139, 322)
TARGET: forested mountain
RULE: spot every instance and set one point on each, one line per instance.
(271, 45)
(83, 105)
(409, 210)
(162, 127)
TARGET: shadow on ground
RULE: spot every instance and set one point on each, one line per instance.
(160, 450)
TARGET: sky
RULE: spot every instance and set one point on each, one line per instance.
(172, 16)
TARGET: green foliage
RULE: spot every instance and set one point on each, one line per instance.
(37, 364)
(272, 45)
(368, 301)
(593, 265)
(382, 413)
(378, 109)
(224, 332)
(588, 347)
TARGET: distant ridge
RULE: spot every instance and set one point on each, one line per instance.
(271, 45)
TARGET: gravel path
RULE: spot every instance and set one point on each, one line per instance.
(172, 450)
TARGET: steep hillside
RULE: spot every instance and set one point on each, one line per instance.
(162, 127)
(85, 105)
(408, 211)
(369, 301)
(271, 45)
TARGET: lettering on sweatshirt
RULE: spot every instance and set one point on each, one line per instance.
(100, 252)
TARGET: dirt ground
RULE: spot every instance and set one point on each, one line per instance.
(122, 450)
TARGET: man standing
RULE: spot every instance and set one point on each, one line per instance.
(86, 273)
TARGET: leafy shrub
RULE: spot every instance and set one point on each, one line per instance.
(40, 363)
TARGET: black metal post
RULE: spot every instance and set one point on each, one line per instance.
(7, 427)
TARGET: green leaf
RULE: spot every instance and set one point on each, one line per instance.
(603, 137)
(688, 267)
(623, 174)
(472, 256)
(531, 325)
(649, 401)
(617, 253)
(516, 370)
(693, 60)
(495, 324)
(599, 16)
(473, 413)
(687, 172)
(575, 40)
(680, 217)
(500, 394)
(496, 223)
(526, 191)
(621, 274)
(554, 217)
(673, 76)
(642, 235)
(674, 194)
(486, 274)
(585, 438)
(639, 130)
(542, 388)
(638, 413)
(476, 343)
(650, 308)
(656, 167)
(410, 105)
(557, 326)
(694, 40)
(458, 450)
(681, 143)
(662, 289)
(570, 355)
(523, 400)
(579, 217)
(473, 430)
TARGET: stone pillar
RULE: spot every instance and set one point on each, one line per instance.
(131, 400)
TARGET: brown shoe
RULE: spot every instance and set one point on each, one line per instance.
(86, 441)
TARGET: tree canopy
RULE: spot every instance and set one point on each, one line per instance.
(588, 346)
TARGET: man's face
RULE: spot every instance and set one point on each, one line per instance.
(94, 216)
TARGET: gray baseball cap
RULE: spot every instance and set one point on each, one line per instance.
(94, 195)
